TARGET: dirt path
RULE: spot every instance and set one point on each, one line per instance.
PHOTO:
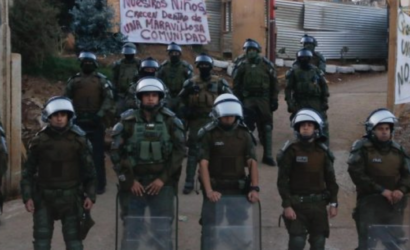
(350, 103)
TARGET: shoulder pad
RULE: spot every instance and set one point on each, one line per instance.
(128, 115)
(101, 75)
(288, 73)
(285, 147)
(74, 76)
(320, 56)
(117, 129)
(358, 144)
(166, 111)
(208, 127)
(188, 65)
(242, 125)
(398, 146)
(164, 63)
(188, 83)
(76, 129)
(268, 62)
(327, 150)
(178, 123)
(2, 133)
(35, 141)
(224, 82)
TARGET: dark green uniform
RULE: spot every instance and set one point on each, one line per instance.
(58, 174)
(3, 161)
(227, 152)
(197, 99)
(373, 168)
(307, 89)
(319, 61)
(174, 75)
(93, 102)
(256, 85)
(124, 73)
(307, 183)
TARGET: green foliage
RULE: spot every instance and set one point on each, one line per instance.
(92, 25)
(35, 33)
(61, 68)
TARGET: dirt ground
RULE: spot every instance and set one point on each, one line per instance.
(352, 99)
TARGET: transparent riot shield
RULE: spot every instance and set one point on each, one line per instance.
(147, 222)
(231, 223)
(382, 225)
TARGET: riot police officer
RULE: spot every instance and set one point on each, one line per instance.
(310, 43)
(124, 71)
(307, 88)
(3, 162)
(255, 84)
(307, 183)
(148, 148)
(380, 169)
(226, 149)
(174, 72)
(58, 178)
(92, 97)
(197, 98)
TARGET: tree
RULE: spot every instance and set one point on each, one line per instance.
(35, 32)
(92, 27)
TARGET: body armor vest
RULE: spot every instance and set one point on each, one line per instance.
(227, 154)
(384, 168)
(126, 76)
(307, 173)
(88, 93)
(59, 161)
(256, 78)
(150, 145)
(174, 77)
(203, 100)
(307, 83)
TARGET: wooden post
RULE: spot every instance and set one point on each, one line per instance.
(392, 60)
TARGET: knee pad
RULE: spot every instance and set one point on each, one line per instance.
(74, 245)
(42, 244)
(297, 242)
(43, 234)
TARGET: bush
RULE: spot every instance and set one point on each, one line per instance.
(92, 25)
(62, 68)
(35, 32)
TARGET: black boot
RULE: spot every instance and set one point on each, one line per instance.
(189, 186)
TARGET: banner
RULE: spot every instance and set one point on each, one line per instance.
(165, 21)
(402, 88)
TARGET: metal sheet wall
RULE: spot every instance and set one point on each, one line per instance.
(213, 8)
(362, 29)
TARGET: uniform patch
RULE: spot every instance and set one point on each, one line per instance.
(302, 159)
(219, 143)
(377, 160)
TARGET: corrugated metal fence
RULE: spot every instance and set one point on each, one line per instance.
(213, 7)
(362, 29)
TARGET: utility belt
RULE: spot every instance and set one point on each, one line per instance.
(311, 198)
(227, 184)
(59, 192)
(146, 179)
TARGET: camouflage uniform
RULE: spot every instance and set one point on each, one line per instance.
(306, 182)
(256, 85)
(307, 88)
(124, 73)
(197, 98)
(174, 75)
(373, 168)
(144, 151)
(3, 162)
(58, 174)
(93, 102)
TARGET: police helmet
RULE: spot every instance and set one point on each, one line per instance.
(250, 43)
(227, 105)
(58, 104)
(308, 115)
(380, 116)
(88, 56)
(150, 84)
(204, 59)
(174, 47)
(129, 49)
(149, 62)
(308, 39)
(304, 53)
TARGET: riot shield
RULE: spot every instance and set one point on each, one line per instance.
(148, 222)
(381, 225)
(231, 223)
